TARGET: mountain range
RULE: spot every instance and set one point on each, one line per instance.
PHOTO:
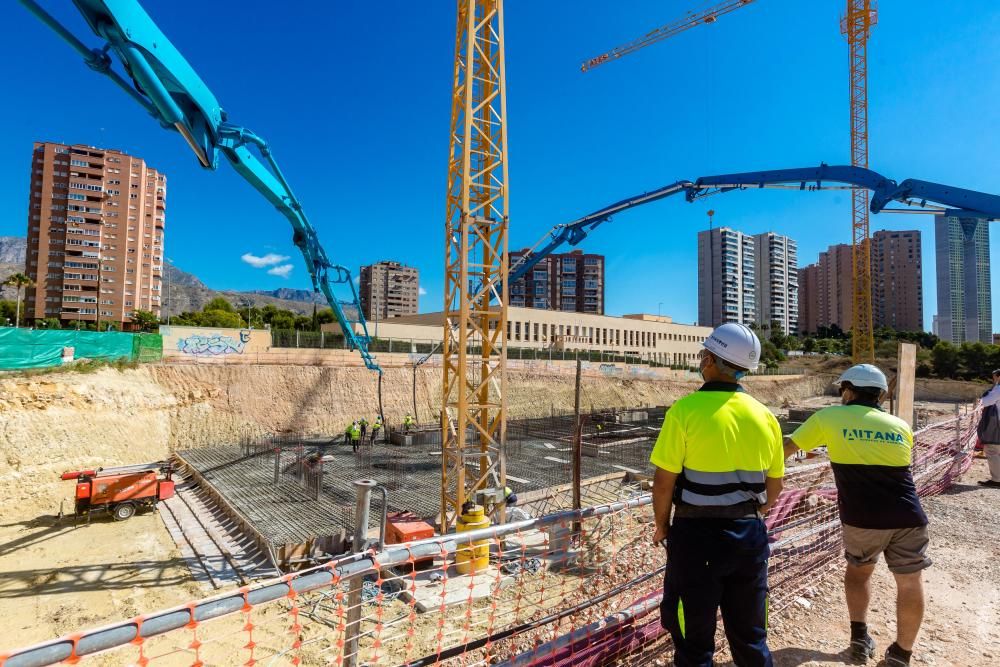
(183, 291)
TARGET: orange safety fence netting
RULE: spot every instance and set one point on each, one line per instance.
(564, 588)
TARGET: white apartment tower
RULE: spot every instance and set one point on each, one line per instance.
(776, 265)
(726, 277)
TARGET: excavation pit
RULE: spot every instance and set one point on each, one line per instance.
(294, 495)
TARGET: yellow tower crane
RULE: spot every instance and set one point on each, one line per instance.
(856, 26)
(473, 415)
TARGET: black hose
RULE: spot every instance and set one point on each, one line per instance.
(479, 643)
(380, 413)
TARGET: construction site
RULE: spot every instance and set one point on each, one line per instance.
(489, 502)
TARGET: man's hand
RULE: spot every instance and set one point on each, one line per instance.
(660, 536)
(663, 492)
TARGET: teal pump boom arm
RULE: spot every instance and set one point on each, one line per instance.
(167, 87)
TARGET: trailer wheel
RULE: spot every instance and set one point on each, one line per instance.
(123, 511)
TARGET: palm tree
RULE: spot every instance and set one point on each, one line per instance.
(20, 281)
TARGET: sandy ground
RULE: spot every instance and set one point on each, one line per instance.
(56, 578)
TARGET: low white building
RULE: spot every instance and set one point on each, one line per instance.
(647, 337)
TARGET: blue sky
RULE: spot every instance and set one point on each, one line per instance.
(355, 102)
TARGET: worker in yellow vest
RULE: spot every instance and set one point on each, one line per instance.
(719, 465)
(355, 431)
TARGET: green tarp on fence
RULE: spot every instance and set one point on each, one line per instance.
(34, 348)
(147, 347)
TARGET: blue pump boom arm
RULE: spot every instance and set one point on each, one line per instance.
(167, 87)
(953, 201)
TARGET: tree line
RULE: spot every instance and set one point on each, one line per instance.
(935, 357)
(216, 313)
(221, 313)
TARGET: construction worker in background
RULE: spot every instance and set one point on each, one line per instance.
(363, 423)
(347, 434)
(355, 431)
(509, 497)
(719, 465)
(407, 422)
(376, 427)
(870, 452)
(989, 431)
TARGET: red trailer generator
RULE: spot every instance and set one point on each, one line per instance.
(122, 490)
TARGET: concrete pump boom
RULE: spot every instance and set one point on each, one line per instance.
(166, 86)
(952, 201)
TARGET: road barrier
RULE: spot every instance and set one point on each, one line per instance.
(569, 587)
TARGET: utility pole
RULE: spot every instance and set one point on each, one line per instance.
(577, 449)
(168, 290)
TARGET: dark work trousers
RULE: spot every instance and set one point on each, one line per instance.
(713, 564)
(364, 429)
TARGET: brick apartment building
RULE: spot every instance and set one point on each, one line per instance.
(389, 289)
(96, 221)
(897, 280)
(826, 295)
(570, 282)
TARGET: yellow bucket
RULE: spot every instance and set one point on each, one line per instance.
(473, 557)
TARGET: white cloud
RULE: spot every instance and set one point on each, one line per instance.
(421, 291)
(260, 262)
(281, 271)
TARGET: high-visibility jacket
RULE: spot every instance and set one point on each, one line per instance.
(723, 444)
(355, 432)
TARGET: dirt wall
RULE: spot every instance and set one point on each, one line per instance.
(63, 421)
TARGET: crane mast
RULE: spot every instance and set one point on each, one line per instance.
(473, 415)
(856, 26)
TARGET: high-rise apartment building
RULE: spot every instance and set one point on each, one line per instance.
(726, 277)
(776, 278)
(389, 289)
(95, 235)
(808, 298)
(571, 282)
(826, 294)
(962, 247)
(897, 280)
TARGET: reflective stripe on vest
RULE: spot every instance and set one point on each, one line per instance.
(723, 488)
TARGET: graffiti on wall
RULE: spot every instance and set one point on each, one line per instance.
(213, 345)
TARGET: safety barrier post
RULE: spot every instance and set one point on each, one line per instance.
(958, 426)
(363, 487)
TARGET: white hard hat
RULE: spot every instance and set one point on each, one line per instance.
(736, 344)
(864, 375)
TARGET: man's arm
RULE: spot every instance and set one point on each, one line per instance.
(992, 397)
(790, 448)
(663, 496)
(773, 485)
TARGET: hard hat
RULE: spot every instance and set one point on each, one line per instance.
(736, 344)
(864, 375)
